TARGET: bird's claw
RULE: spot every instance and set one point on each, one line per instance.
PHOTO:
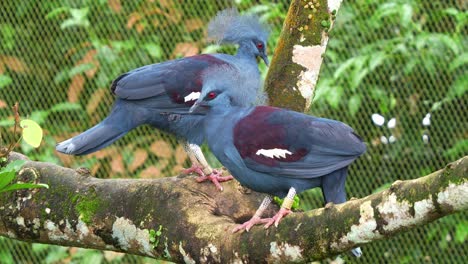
(215, 177)
(194, 169)
(277, 218)
(249, 224)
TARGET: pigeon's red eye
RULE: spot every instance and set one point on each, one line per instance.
(260, 45)
(211, 95)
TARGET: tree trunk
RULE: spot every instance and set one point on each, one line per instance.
(196, 220)
(295, 66)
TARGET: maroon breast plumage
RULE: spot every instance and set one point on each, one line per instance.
(261, 139)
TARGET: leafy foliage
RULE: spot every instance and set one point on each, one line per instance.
(7, 175)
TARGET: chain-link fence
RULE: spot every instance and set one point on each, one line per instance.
(394, 70)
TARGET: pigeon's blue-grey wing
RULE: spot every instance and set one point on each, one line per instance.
(290, 144)
(177, 78)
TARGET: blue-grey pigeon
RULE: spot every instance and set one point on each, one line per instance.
(146, 94)
(276, 151)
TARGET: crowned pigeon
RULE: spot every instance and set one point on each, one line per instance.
(145, 95)
(273, 150)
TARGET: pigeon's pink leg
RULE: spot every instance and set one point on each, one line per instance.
(215, 177)
(201, 167)
(285, 208)
(196, 168)
(256, 219)
(277, 218)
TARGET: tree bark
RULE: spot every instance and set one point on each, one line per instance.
(295, 66)
(196, 220)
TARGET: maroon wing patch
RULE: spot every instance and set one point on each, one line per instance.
(266, 142)
(180, 79)
(194, 84)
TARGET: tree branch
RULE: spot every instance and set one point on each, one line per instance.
(295, 67)
(196, 219)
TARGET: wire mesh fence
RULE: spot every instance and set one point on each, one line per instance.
(394, 70)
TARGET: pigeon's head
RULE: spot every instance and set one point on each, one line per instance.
(227, 86)
(230, 27)
(259, 49)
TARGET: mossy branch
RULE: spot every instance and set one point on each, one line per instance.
(194, 220)
(295, 66)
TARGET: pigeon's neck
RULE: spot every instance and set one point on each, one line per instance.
(245, 52)
(220, 121)
(219, 111)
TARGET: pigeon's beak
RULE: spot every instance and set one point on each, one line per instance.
(198, 108)
(265, 58)
(194, 107)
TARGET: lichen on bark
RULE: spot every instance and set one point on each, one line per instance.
(306, 25)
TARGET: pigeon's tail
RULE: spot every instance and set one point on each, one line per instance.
(121, 120)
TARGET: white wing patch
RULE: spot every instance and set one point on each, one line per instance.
(274, 153)
(192, 96)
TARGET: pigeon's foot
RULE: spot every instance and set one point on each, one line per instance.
(277, 218)
(215, 177)
(255, 220)
(194, 169)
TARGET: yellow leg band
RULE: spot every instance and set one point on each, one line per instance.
(287, 203)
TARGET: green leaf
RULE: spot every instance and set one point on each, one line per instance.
(451, 11)
(62, 76)
(458, 87)
(106, 54)
(7, 122)
(154, 50)
(459, 61)
(376, 60)
(457, 150)
(32, 132)
(6, 177)
(92, 256)
(57, 11)
(78, 18)
(8, 36)
(406, 15)
(461, 232)
(6, 256)
(38, 248)
(213, 48)
(5, 81)
(73, 22)
(357, 77)
(354, 104)
(78, 69)
(14, 165)
(79, 14)
(334, 96)
(343, 67)
(123, 45)
(39, 116)
(56, 255)
(21, 186)
(449, 42)
(65, 107)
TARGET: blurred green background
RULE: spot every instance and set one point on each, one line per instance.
(395, 70)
